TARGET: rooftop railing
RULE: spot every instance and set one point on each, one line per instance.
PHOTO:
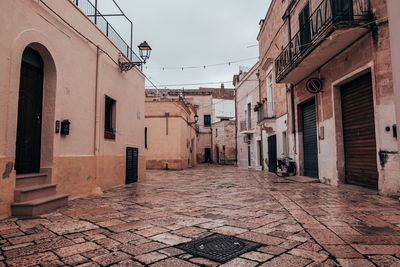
(101, 22)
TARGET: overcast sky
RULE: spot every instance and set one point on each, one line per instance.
(186, 33)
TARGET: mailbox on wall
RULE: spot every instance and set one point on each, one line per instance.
(65, 127)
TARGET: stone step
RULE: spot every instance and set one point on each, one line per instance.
(23, 194)
(23, 180)
(39, 206)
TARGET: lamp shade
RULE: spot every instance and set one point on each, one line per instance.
(144, 50)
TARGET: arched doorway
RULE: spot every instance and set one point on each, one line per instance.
(29, 127)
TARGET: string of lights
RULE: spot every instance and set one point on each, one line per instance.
(228, 63)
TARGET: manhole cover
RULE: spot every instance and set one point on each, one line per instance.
(218, 247)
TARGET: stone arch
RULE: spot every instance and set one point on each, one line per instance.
(40, 43)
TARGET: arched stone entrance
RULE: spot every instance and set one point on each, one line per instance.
(29, 125)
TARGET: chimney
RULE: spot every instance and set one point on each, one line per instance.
(222, 86)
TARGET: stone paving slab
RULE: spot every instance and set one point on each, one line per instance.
(298, 222)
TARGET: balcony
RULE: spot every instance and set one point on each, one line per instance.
(266, 111)
(97, 18)
(334, 25)
(245, 128)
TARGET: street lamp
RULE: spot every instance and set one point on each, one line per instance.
(144, 50)
(196, 119)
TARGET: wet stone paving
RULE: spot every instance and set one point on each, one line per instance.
(296, 221)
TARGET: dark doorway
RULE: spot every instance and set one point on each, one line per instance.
(272, 154)
(207, 155)
(359, 132)
(310, 139)
(29, 127)
(249, 156)
(132, 155)
(217, 152)
(342, 9)
(260, 155)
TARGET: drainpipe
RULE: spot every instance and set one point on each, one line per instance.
(236, 128)
(212, 147)
(96, 133)
(261, 135)
(293, 117)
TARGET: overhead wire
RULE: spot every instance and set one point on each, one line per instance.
(203, 66)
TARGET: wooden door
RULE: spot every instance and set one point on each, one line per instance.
(310, 139)
(28, 143)
(359, 132)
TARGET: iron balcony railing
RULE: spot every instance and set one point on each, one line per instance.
(326, 14)
(96, 17)
(266, 111)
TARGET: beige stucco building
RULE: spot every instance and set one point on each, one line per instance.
(212, 105)
(333, 62)
(171, 135)
(58, 68)
(248, 137)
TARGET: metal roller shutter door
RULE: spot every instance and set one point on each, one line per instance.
(310, 140)
(359, 132)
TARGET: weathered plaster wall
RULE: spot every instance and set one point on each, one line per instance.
(69, 93)
(172, 148)
(7, 185)
(394, 25)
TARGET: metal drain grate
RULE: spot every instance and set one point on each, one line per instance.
(217, 247)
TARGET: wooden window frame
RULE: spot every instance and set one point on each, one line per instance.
(109, 118)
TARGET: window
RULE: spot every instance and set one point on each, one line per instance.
(305, 29)
(145, 137)
(207, 120)
(216, 132)
(109, 118)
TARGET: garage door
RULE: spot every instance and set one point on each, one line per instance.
(310, 140)
(359, 132)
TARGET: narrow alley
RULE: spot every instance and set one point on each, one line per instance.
(296, 222)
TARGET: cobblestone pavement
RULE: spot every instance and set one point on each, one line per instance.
(299, 223)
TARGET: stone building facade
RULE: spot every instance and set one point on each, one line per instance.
(272, 110)
(394, 26)
(334, 64)
(67, 113)
(248, 138)
(212, 105)
(170, 133)
(223, 142)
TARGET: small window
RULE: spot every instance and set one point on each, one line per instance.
(109, 119)
(145, 137)
(216, 132)
(207, 120)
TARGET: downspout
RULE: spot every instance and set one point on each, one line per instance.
(236, 128)
(261, 131)
(96, 139)
(293, 117)
(212, 147)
